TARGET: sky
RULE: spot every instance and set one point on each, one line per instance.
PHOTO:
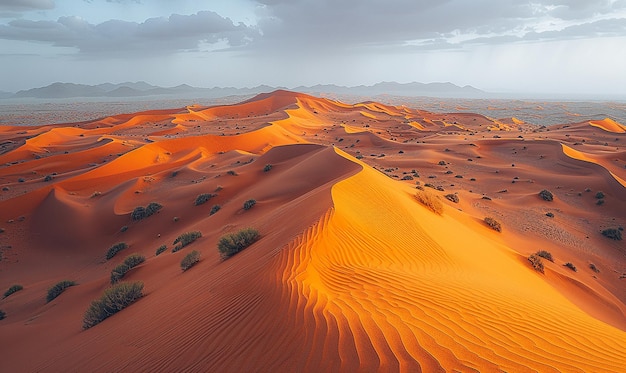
(512, 46)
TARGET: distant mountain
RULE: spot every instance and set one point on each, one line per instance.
(141, 89)
(4, 94)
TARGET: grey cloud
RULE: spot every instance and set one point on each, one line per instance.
(154, 36)
(20, 5)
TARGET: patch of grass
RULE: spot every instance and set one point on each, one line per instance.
(612, 233)
(113, 300)
(230, 244)
(13, 289)
(429, 200)
(267, 167)
(141, 212)
(536, 262)
(546, 195)
(185, 239)
(204, 198)
(116, 249)
(545, 254)
(594, 268)
(130, 262)
(214, 209)
(248, 204)
(190, 260)
(570, 266)
(57, 289)
(452, 197)
(161, 249)
(493, 224)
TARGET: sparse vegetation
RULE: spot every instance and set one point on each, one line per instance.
(248, 204)
(267, 167)
(599, 195)
(185, 239)
(3, 315)
(230, 244)
(141, 212)
(190, 260)
(116, 249)
(58, 288)
(113, 300)
(203, 198)
(160, 250)
(493, 223)
(214, 209)
(600, 202)
(612, 233)
(570, 266)
(430, 200)
(546, 195)
(549, 214)
(124, 229)
(594, 268)
(13, 289)
(536, 262)
(130, 262)
(545, 254)
(232, 173)
(452, 197)
(442, 163)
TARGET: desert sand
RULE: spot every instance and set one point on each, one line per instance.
(351, 273)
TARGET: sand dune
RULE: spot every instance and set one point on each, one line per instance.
(351, 273)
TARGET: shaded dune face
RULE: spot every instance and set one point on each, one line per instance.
(351, 273)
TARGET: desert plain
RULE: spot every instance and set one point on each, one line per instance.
(373, 254)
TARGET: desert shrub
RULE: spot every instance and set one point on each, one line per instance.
(536, 262)
(545, 254)
(190, 260)
(452, 197)
(58, 288)
(232, 243)
(546, 195)
(144, 212)
(203, 198)
(130, 262)
(267, 167)
(113, 300)
(493, 223)
(600, 202)
(232, 173)
(214, 209)
(599, 195)
(3, 315)
(594, 268)
(612, 233)
(13, 289)
(116, 249)
(442, 163)
(430, 201)
(161, 249)
(570, 266)
(124, 229)
(549, 214)
(248, 204)
(47, 178)
(185, 239)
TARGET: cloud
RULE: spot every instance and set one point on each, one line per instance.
(20, 5)
(154, 36)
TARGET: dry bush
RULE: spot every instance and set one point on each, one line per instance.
(190, 260)
(536, 262)
(113, 300)
(493, 223)
(231, 244)
(429, 200)
(58, 288)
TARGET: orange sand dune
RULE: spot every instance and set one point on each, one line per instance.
(609, 125)
(351, 272)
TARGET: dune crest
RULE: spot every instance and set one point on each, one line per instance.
(609, 125)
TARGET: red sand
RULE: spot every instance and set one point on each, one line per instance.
(351, 273)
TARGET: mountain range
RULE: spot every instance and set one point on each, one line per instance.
(142, 89)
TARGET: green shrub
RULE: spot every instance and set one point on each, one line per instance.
(214, 209)
(545, 254)
(13, 289)
(185, 239)
(113, 300)
(232, 243)
(248, 204)
(267, 168)
(190, 260)
(116, 249)
(144, 212)
(536, 262)
(493, 223)
(58, 288)
(3, 315)
(570, 266)
(130, 262)
(546, 195)
(203, 198)
(161, 249)
(612, 233)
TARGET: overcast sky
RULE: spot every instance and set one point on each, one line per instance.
(538, 46)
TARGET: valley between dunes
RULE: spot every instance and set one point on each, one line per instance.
(351, 272)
